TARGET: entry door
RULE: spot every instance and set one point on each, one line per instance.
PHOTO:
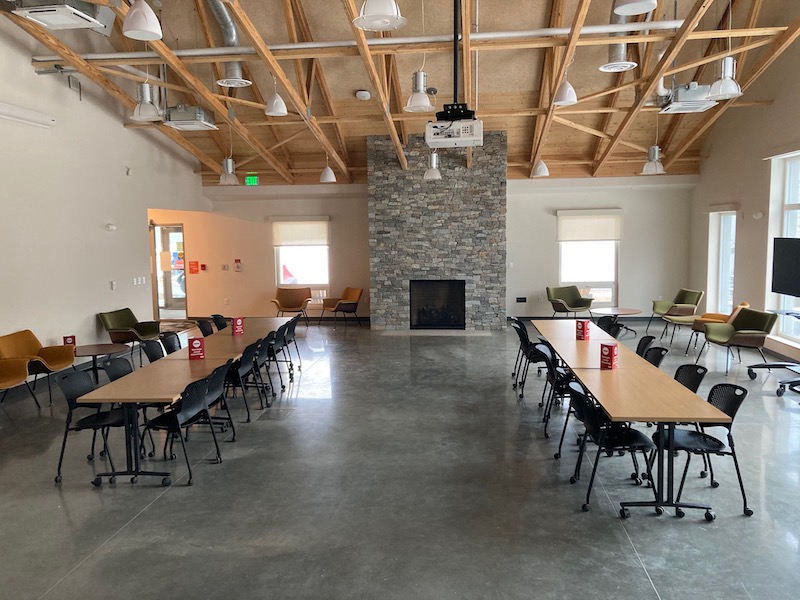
(170, 271)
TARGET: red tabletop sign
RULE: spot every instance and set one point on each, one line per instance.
(197, 348)
(608, 356)
(237, 326)
(582, 329)
(69, 340)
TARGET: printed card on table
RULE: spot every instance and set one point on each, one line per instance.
(197, 348)
(582, 329)
(237, 325)
(608, 356)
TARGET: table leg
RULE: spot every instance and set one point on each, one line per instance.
(95, 370)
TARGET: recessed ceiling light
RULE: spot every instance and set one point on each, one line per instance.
(363, 95)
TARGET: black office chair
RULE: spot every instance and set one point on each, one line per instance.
(610, 438)
(153, 350)
(240, 372)
(727, 397)
(290, 338)
(655, 355)
(644, 344)
(610, 326)
(205, 327)
(690, 376)
(278, 345)
(116, 368)
(526, 355)
(556, 384)
(215, 396)
(263, 357)
(219, 322)
(75, 384)
(171, 341)
(191, 408)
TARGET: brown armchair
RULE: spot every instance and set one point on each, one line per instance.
(293, 300)
(348, 303)
(40, 360)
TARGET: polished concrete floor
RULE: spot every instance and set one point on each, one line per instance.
(396, 466)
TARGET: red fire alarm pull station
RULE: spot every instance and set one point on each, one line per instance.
(237, 264)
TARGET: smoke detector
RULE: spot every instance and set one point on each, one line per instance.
(363, 95)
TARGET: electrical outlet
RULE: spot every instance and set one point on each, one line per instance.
(113, 285)
(521, 299)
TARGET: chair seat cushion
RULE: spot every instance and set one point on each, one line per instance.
(107, 418)
(622, 436)
(681, 319)
(693, 441)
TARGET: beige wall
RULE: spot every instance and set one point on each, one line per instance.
(653, 252)
(59, 186)
(345, 205)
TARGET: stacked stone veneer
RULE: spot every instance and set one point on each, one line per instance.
(454, 228)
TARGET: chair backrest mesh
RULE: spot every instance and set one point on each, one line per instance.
(655, 355)
(171, 341)
(73, 385)
(205, 327)
(727, 397)
(644, 344)
(116, 368)
(193, 400)
(219, 322)
(690, 376)
(153, 350)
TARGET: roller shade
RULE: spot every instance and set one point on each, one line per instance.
(300, 233)
(589, 225)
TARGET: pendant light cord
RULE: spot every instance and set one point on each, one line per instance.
(424, 54)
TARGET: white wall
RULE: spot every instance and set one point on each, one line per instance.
(346, 205)
(653, 252)
(59, 186)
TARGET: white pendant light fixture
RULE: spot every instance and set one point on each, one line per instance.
(141, 23)
(145, 110)
(726, 87)
(628, 8)
(228, 176)
(540, 169)
(432, 173)
(276, 107)
(327, 175)
(419, 100)
(379, 15)
(565, 95)
(653, 165)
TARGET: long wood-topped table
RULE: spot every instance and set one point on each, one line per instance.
(638, 392)
(163, 381)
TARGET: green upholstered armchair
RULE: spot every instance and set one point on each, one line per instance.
(568, 299)
(123, 327)
(40, 360)
(684, 304)
(749, 329)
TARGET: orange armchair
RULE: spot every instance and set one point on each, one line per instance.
(40, 360)
(348, 303)
(13, 371)
(293, 300)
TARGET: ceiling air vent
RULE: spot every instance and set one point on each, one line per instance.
(189, 118)
(61, 14)
(691, 98)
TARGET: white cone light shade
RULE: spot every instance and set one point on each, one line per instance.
(565, 96)
(327, 176)
(726, 86)
(432, 173)
(379, 15)
(141, 23)
(228, 176)
(653, 165)
(627, 8)
(276, 107)
(419, 101)
(541, 170)
(145, 110)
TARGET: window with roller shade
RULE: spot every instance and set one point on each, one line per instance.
(588, 247)
(301, 250)
(790, 224)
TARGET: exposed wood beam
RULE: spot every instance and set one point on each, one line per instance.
(466, 50)
(363, 48)
(92, 72)
(595, 132)
(266, 55)
(606, 122)
(394, 74)
(205, 27)
(259, 98)
(569, 51)
(291, 28)
(764, 62)
(284, 141)
(752, 19)
(695, 14)
(546, 80)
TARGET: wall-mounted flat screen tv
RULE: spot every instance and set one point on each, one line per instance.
(786, 266)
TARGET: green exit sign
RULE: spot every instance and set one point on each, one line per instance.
(251, 179)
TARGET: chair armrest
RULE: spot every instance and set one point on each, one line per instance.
(682, 310)
(660, 307)
(57, 357)
(715, 317)
(749, 338)
(147, 329)
(330, 303)
(128, 334)
(584, 302)
(719, 333)
(346, 306)
(560, 306)
(277, 304)
(13, 371)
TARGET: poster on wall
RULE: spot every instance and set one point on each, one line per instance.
(194, 267)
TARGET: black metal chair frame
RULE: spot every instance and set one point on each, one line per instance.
(241, 370)
(170, 341)
(644, 344)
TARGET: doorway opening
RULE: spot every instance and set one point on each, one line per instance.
(169, 274)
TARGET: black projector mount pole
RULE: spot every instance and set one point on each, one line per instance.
(456, 111)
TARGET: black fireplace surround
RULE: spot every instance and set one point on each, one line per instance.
(437, 304)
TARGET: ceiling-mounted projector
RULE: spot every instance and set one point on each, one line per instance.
(454, 134)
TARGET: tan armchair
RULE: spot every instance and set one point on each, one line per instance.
(13, 371)
(293, 300)
(348, 303)
(40, 360)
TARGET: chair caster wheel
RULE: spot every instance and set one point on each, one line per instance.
(513, 386)
(645, 476)
(624, 513)
(112, 480)
(219, 460)
(710, 516)
(189, 482)
(134, 479)
(546, 435)
(57, 479)
(637, 481)
(715, 484)
(166, 482)
(659, 510)
(585, 508)
(751, 374)
(274, 394)
(679, 513)
(572, 479)
(620, 452)
(780, 391)
(96, 482)
(89, 457)
(557, 455)
(102, 453)
(703, 474)
(283, 388)
(634, 476)
(151, 454)
(748, 512)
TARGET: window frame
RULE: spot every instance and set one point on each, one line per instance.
(317, 237)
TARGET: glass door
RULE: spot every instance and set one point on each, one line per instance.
(170, 272)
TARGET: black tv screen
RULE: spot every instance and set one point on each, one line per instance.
(786, 266)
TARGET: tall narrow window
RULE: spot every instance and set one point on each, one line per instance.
(588, 246)
(721, 254)
(301, 251)
(790, 326)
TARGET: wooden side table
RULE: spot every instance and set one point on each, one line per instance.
(95, 350)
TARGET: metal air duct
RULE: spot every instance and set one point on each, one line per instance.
(618, 53)
(230, 37)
